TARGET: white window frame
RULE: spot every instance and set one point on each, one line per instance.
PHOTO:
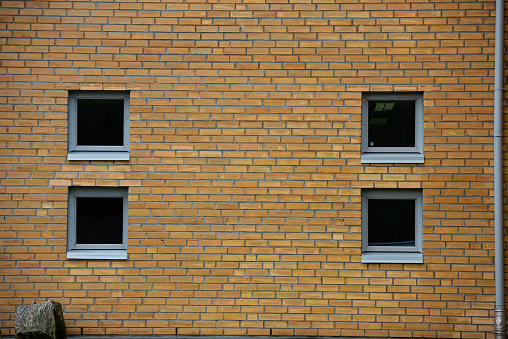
(106, 152)
(96, 251)
(392, 254)
(371, 154)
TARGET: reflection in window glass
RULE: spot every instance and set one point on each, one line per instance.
(391, 222)
(99, 220)
(391, 124)
(100, 122)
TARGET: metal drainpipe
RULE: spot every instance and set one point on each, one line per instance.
(499, 310)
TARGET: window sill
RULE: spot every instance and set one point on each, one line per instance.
(97, 254)
(98, 156)
(392, 258)
(392, 158)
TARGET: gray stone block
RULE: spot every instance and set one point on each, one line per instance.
(40, 321)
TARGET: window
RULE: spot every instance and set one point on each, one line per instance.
(392, 128)
(97, 223)
(392, 226)
(99, 125)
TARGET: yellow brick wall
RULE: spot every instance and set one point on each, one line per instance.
(245, 175)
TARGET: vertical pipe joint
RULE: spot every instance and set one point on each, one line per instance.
(500, 323)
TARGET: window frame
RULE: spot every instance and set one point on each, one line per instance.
(96, 251)
(392, 254)
(94, 152)
(372, 154)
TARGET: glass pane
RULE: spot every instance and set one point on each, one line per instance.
(100, 122)
(391, 222)
(99, 220)
(391, 124)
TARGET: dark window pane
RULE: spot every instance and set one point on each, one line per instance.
(99, 220)
(391, 222)
(391, 124)
(100, 122)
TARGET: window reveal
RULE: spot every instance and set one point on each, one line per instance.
(392, 128)
(97, 223)
(99, 125)
(392, 222)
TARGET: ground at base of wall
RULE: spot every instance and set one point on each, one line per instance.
(215, 337)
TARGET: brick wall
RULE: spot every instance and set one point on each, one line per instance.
(245, 176)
